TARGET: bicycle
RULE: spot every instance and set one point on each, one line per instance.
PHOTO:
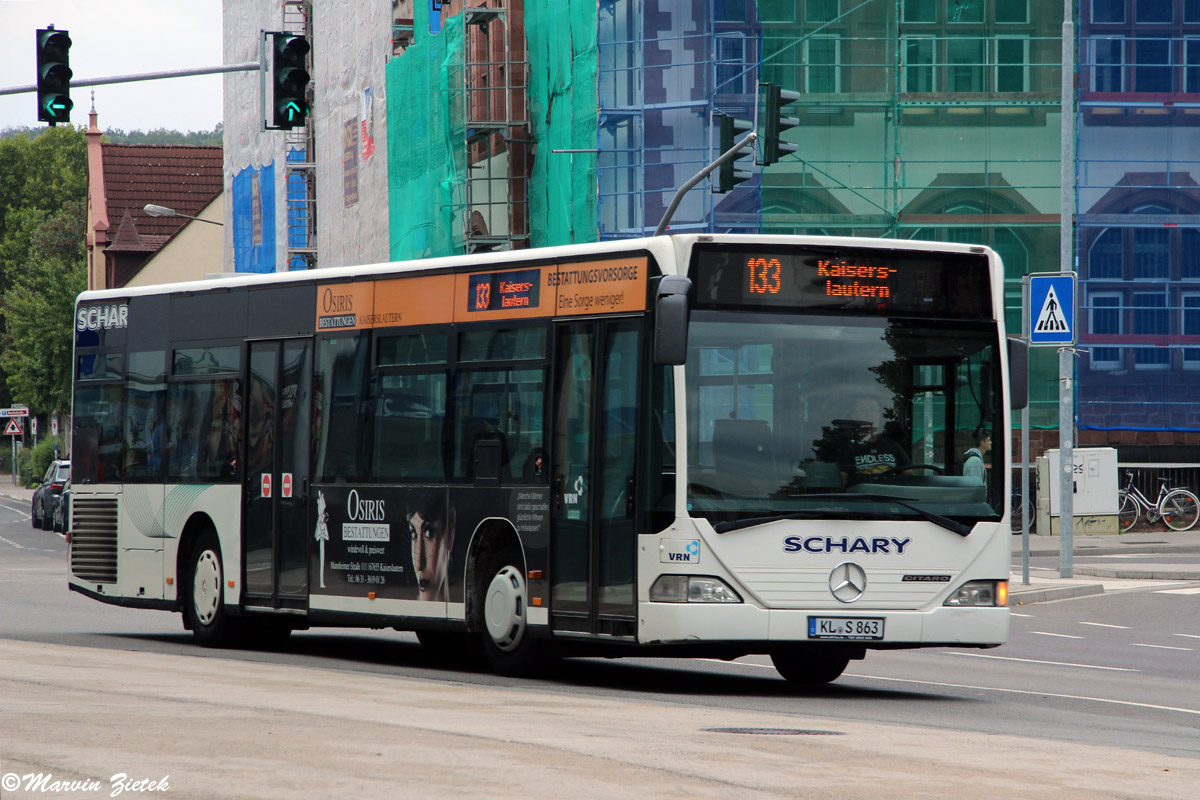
(1014, 505)
(1177, 507)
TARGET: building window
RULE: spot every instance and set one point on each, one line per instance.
(1191, 10)
(1104, 256)
(1154, 10)
(1151, 248)
(918, 65)
(823, 56)
(730, 11)
(920, 11)
(1189, 253)
(1012, 59)
(965, 10)
(1191, 60)
(1190, 326)
(1108, 65)
(1012, 11)
(1151, 318)
(731, 64)
(821, 10)
(1108, 10)
(1106, 321)
(965, 59)
(1152, 65)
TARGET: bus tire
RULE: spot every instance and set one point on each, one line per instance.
(810, 666)
(204, 611)
(507, 645)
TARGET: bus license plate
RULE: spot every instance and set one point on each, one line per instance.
(845, 628)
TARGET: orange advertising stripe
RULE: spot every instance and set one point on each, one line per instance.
(424, 300)
(345, 306)
(601, 287)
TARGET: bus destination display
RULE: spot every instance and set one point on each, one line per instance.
(870, 280)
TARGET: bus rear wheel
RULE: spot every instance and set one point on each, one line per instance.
(204, 611)
(507, 645)
(810, 666)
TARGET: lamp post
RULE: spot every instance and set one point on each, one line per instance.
(163, 211)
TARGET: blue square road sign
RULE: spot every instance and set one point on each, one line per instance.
(1052, 309)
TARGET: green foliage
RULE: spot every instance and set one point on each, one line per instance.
(42, 192)
(38, 309)
(166, 136)
(33, 461)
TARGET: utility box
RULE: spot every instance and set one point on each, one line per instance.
(1094, 499)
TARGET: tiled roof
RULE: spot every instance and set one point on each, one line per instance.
(183, 177)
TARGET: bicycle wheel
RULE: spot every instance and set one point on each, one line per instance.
(1180, 509)
(1014, 507)
(1128, 514)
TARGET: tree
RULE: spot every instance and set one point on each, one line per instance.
(43, 181)
(38, 312)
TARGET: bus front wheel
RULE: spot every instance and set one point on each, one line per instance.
(810, 666)
(507, 645)
(203, 599)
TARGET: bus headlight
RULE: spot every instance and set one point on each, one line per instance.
(692, 589)
(979, 593)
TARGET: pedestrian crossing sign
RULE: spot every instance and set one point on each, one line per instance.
(13, 429)
(1051, 310)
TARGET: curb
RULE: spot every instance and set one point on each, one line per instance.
(1022, 597)
(1160, 572)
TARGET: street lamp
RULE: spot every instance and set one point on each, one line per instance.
(163, 211)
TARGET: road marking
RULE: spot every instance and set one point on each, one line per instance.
(1179, 591)
(1106, 625)
(1035, 661)
(1153, 706)
(10, 542)
(1188, 635)
(1015, 614)
(1163, 647)
(1058, 635)
(1035, 694)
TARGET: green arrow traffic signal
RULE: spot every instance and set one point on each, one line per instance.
(53, 76)
(289, 80)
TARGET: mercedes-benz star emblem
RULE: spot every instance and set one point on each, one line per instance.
(848, 581)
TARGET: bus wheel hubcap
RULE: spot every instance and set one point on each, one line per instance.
(206, 587)
(504, 608)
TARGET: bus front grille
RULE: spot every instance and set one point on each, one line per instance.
(94, 539)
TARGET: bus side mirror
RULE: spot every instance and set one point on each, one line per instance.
(671, 320)
(1018, 373)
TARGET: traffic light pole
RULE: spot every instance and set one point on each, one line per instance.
(699, 176)
(250, 66)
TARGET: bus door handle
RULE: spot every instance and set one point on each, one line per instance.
(557, 491)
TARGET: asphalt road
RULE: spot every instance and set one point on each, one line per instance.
(1104, 680)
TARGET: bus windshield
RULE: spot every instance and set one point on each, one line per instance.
(830, 416)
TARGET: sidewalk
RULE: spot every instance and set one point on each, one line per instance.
(1045, 584)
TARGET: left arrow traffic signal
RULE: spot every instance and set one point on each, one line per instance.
(289, 80)
(53, 76)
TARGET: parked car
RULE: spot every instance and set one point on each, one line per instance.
(47, 492)
(62, 509)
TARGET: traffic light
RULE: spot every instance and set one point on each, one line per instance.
(728, 175)
(775, 123)
(53, 76)
(289, 80)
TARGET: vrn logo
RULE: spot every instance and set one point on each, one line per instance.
(686, 551)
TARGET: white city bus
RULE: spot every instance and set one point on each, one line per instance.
(689, 445)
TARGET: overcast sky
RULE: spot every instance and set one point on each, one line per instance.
(118, 37)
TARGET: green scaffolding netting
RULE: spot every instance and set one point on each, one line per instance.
(426, 189)
(425, 176)
(563, 189)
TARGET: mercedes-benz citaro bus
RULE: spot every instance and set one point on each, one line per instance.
(686, 445)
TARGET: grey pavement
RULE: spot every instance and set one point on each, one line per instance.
(1044, 584)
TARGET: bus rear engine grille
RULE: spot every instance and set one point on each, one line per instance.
(94, 539)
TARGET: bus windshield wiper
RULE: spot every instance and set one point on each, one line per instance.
(904, 502)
